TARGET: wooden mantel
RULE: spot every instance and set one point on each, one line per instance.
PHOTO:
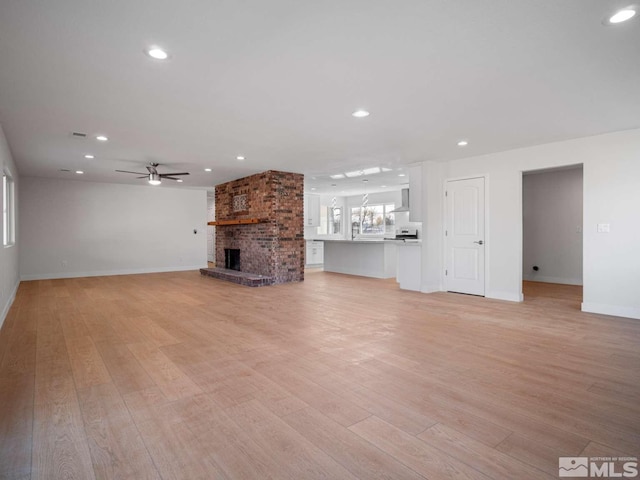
(242, 221)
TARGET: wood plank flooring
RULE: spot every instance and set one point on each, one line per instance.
(179, 376)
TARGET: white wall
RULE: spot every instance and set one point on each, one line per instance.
(75, 228)
(432, 223)
(9, 272)
(611, 195)
(552, 226)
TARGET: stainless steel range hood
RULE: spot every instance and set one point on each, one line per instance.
(405, 202)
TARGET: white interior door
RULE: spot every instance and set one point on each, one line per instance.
(464, 236)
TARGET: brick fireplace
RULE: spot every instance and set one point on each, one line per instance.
(270, 245)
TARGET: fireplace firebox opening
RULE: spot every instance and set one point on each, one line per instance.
(232, 258)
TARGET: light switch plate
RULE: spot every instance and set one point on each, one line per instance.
(603, 228)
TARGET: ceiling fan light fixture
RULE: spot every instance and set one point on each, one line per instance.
(154, 179)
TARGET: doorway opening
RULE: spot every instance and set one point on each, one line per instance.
(552, 233)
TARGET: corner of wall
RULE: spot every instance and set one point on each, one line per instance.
(7, 306)
(613, 310)
(431, 288)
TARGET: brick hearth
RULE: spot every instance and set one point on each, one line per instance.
(241, 278)
(273, 248)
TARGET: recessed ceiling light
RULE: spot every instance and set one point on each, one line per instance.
(101, 138)
(463, 143)
(313, 188)
(207, 169)
(360, 113)
(157, 53)
(369, 171)
(337, 176)
(180, 180)
(240, 157)
(88, 156)
(402, 175)
(355, 173)
(383, 186)
(621, 16)
(385, 169)
(79, 172)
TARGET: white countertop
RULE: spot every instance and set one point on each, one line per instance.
(355, 241)
(407, 244)
(400, 243)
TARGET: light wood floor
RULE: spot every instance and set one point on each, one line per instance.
(181, 376)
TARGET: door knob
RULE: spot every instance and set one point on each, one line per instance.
(479, 242)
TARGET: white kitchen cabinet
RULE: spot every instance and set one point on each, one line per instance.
(409, 266)
(367, 258)
(311, 210)
(315, 252)
(415, 193)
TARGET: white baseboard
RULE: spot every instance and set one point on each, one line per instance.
(106, 273)
(545, 279)
(508, 296)
(431, 288)
(615, 310)
(7, 306)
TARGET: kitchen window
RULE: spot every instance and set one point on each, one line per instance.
(330, 220)
(8, 211)
(373, 219)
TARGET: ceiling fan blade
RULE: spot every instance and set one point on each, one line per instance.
(137, 173)
(144, 176)
(174, 174)
(168, 178)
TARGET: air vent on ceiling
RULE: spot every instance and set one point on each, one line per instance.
(64, 170)
(78, 135)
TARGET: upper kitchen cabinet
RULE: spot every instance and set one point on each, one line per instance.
(415, 193)
(311, 210)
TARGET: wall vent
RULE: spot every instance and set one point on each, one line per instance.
(78, 135)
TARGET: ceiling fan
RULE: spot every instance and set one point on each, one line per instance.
(154, 177)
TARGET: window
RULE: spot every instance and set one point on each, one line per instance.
(373, 219)
(330, 220)
(8, 211)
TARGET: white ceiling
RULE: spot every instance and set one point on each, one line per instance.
(276, 81)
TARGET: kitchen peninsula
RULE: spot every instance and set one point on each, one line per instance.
(367, 258)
